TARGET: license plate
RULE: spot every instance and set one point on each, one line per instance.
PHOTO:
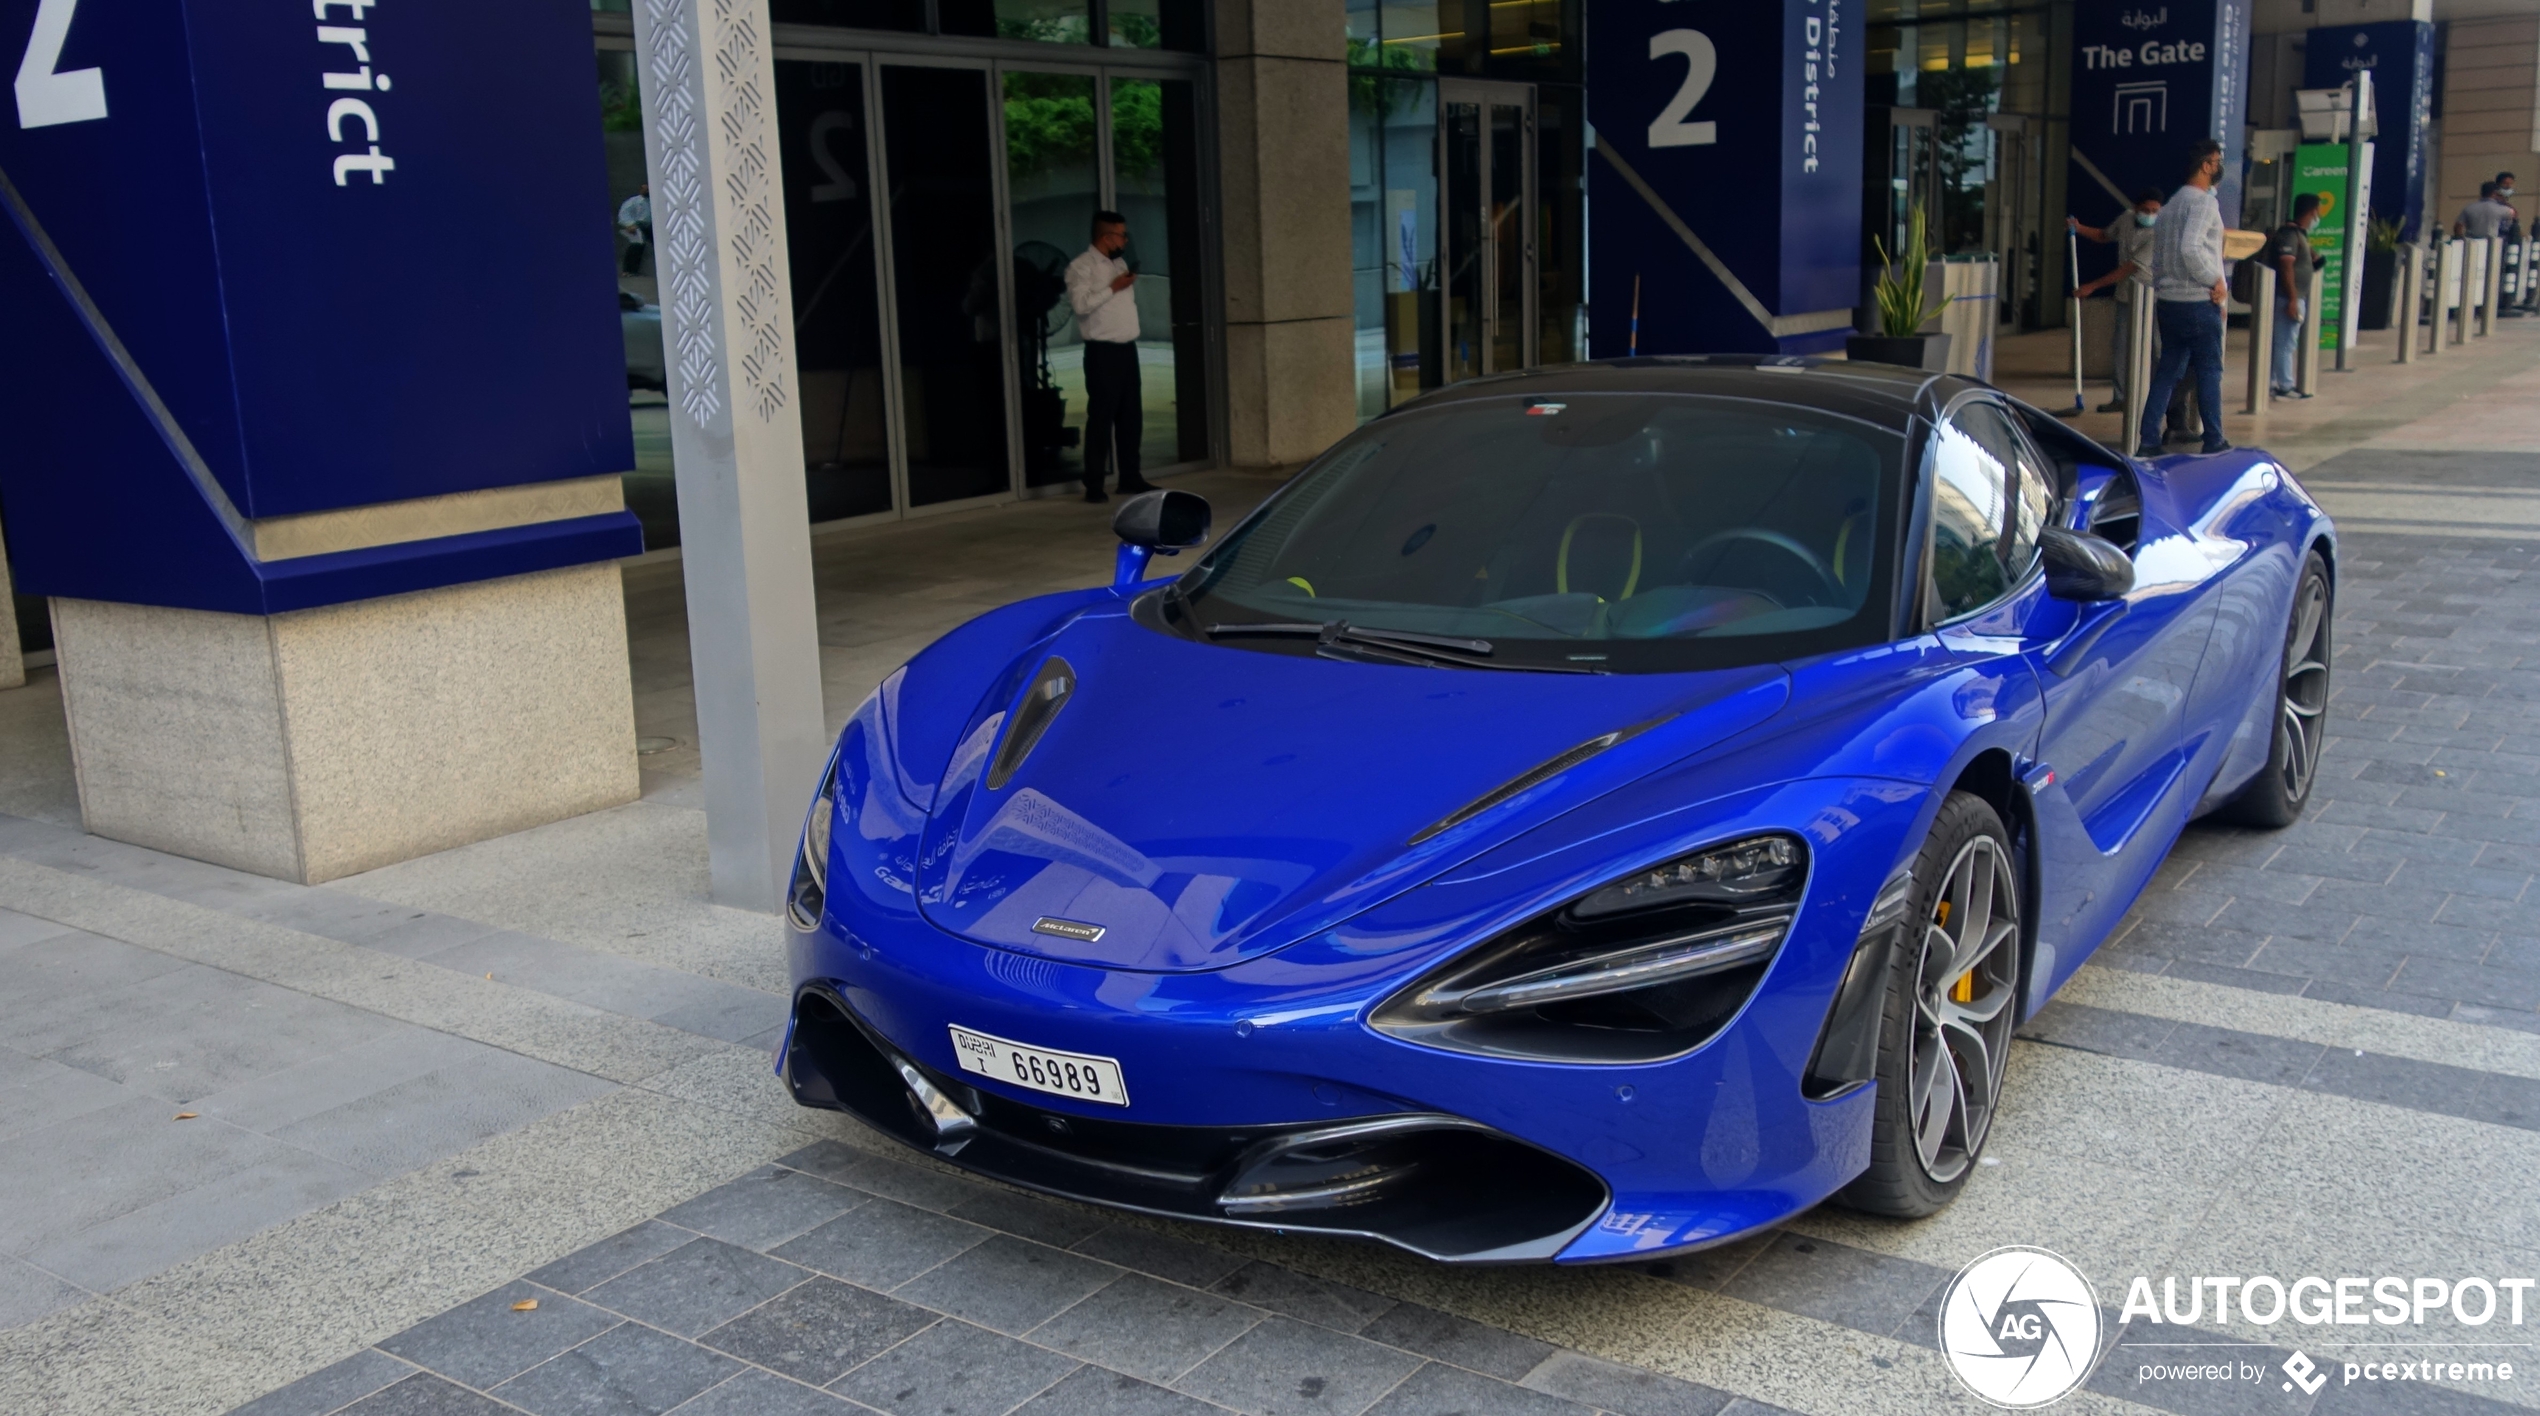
(1068, 1074)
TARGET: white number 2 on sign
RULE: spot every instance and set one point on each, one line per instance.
(45, 97)
(1702, 64)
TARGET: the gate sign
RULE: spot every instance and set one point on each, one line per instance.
(2150, 81)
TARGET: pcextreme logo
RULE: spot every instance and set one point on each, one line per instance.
(2020, 1327)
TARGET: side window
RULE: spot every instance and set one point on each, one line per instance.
(2032, 504)
(1970, 516)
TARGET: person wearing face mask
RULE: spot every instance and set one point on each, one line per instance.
(2485, 217)
(2289, 251)
(2189, 289)
(2505, 199)
(2132, 235)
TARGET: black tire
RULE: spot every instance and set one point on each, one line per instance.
(2275, 797)
(1937, 1049)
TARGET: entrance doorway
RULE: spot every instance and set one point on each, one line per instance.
(931, 204)
(1486, 187)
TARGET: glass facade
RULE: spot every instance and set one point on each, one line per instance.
(934, 195)
(1468, 211)
(1967, 111)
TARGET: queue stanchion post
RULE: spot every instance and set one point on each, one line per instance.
(2261, 339)
(2411, 275)
(2138, 365)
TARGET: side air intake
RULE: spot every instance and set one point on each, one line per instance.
(1529, 779)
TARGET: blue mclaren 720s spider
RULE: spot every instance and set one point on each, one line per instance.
(1584, 814)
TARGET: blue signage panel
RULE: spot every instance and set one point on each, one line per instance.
(330, 253)
(2400, 56)
(1725, 196)
(2151, 81)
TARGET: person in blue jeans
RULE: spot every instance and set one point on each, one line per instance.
(2188, 301)
(2289, 251)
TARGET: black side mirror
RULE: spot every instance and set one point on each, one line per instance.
(1166, 522)
(2080, 566)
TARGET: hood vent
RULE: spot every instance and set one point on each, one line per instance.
(1032, 718)
(1532, 777)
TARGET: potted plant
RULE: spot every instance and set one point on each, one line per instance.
(2381, 268)
(1902, 308)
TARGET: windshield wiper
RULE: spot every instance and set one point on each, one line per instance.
(1392, 645)
(1336, 630)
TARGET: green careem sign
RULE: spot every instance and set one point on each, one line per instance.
(2320, 169)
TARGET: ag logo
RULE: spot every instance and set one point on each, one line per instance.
(2020, 1327)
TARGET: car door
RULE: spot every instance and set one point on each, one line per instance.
(2110, 783)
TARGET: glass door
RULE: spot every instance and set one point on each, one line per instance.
(1155, 167)
(948, 281)
(823, 127)
(1487, 179)
(1053, 187)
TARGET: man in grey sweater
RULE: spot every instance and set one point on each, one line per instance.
(2187, 254)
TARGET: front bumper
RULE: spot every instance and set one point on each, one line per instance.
(1502, 1159)
(1437, 1185)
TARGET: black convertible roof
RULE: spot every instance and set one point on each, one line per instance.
(1879, 393)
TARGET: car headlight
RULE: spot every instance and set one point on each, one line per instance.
(808, 893)
(1647, 967)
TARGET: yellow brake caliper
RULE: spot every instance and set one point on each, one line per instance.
(1964, 990)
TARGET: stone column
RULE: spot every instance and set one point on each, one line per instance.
(1283, 143)
(709, 91)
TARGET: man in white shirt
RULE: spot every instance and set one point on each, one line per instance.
(2188, 293)
(1101, 289)
(635, 224)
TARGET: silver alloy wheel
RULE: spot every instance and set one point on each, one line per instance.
(1960, 1046)
(2305, 706)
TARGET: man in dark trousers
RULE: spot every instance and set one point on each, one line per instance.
(1102, 290)
(2189, 290)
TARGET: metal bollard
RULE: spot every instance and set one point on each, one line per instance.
(2492, 288)
(2411, 297)
(2447, 293)
(2261, 340)
(2473, 288)
(2307, 362)
(2138, 367)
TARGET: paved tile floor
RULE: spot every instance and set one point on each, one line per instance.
(839, 1281)
(536, 1068)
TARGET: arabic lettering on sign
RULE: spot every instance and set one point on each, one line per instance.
(1824, 39)
(2363, 61)
(2145, 19)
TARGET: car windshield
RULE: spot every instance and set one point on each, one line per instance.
(1634, 533)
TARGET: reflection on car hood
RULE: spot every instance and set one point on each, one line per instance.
(1197, 805)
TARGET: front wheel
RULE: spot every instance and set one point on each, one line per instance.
(1945, 1038)
(2275, 796)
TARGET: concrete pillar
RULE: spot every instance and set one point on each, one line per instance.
(1283, 146)
(329, 524)
(709, 96)
(317, 743)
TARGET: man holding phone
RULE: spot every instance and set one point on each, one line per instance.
(1101, 289)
